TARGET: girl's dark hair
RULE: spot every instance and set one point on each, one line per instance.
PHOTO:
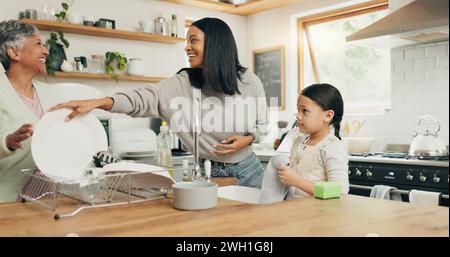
(328, 98)
(221, 69)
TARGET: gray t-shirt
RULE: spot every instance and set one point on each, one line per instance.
(222, 115)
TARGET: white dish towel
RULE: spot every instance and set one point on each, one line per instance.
(385, 192)
(424, 197)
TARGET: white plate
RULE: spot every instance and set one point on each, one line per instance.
(63, 150)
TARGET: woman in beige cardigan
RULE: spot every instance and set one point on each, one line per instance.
(22, 101)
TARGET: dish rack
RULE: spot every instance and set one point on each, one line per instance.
(105, 190)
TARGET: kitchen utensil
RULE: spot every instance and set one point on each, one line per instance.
(103, 158)
(357, 125)
(31, 14)
(97, 64)
(161, 26)
(88, 21)
(358, 144)
(346, 129)
(145, 26)
(63, 150)
(80, 63)
(136, 67)
(427, 143)
(198, 195)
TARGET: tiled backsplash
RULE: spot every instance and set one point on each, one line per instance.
(420, 85)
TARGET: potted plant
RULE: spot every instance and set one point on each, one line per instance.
(62, 15)
(115, 63)
(56, 44)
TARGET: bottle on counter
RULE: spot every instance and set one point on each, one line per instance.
(208, 170)
(164, 153)
(174, 26)
(186, 170)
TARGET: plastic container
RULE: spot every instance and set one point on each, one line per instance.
(97, 65)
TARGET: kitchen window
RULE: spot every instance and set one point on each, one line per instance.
(361, 73)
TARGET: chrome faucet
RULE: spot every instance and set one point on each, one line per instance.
(195, 173)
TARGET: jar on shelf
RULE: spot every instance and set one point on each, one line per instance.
(136, 67)
(97, 64)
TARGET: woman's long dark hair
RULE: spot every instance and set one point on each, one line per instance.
(328, 98)
(221, 69)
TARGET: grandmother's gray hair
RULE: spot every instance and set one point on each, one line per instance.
(12, 34)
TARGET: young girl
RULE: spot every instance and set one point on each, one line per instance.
(318, 156)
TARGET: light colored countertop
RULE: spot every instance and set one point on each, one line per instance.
(348, 216)
(266, 155)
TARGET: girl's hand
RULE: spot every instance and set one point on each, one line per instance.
(289, 177)
(233, 144)
(84, 106)
(14, 140)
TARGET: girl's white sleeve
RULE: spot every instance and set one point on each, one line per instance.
(335, 159)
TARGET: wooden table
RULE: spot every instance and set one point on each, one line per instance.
(348, 216)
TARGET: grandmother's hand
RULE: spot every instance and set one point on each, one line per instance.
(14, 140)
(233, 144)
(84, 106)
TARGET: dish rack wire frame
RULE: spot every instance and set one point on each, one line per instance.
(46, 192)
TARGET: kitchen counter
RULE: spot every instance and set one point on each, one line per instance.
(348, 216)
(266, 155)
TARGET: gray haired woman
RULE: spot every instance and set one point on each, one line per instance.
(22, 101)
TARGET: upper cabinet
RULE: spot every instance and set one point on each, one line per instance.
(103, 32)
(248, 7)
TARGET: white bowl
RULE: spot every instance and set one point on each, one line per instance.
(358, 144)
(194, 195)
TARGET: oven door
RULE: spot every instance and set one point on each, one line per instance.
(364, 189)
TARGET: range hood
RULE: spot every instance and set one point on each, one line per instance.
(421, 21)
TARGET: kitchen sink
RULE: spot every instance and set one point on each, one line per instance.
(240, 194)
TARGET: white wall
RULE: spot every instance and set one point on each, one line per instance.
(420, 85)
(161, 60)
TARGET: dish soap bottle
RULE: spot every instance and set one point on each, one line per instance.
(164, 154)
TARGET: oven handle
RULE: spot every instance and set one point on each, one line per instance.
(403, 192)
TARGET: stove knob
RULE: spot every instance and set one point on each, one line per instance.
(409, 177)
(369, 173)
(423, 178)
(358, 172)
(436, 179)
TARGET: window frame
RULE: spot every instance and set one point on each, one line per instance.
(303, 24)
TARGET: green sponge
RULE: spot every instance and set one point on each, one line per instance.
(327, 190)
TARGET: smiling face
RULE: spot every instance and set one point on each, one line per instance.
(195, 47)
(311, 118)
(31, 56)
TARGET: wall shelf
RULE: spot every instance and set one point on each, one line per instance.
(82, 75)
(207, 4)
(102, 32)
(249, 8)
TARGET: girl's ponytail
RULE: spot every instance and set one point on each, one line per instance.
(337, 128)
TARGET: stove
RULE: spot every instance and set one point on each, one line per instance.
(399, 170)
(401, 155)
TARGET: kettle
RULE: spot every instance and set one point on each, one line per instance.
(427, 143)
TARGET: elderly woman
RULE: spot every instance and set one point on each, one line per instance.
(22, 101)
